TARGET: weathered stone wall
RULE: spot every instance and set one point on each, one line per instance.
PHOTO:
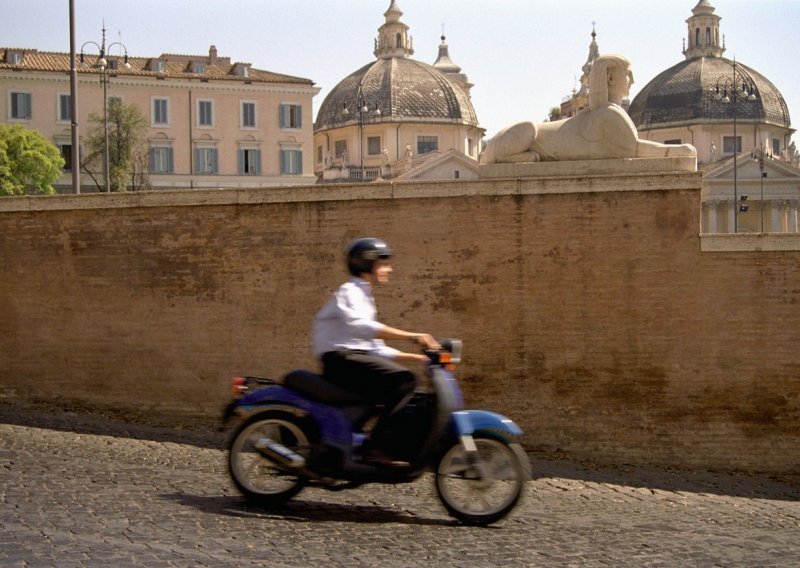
(589, 312)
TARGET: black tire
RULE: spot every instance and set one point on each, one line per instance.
(483, 489)
(261, 481)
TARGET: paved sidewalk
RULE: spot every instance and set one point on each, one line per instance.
(82, 491)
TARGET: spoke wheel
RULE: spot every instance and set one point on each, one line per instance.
(262, 482)
(482, 489)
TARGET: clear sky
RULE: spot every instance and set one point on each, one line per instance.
(524, 56)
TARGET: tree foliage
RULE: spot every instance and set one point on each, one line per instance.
(127, 147)
(29, 163)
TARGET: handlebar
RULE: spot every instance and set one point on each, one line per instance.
(450, 353)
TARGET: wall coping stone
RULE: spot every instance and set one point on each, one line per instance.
(749, 242)
(660, 181)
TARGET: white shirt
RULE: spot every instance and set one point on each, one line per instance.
(349, 321)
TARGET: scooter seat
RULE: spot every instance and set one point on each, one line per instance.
(317, 388)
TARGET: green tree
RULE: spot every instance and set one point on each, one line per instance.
(127, 147)
(29, 164)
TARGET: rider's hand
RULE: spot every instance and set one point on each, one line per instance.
(427, 341)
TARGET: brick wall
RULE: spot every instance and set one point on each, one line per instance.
(589, 313)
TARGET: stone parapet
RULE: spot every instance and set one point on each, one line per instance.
(530, 185)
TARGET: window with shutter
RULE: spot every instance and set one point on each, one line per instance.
(205, 160)
(248, 115)
(249, 161)
(161, 160)
(205, 113)
(21, 106)
(291, 116)
(160, 111)
(64, 108)
(66, 153)
(291, 162)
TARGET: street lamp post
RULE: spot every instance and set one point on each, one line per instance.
(102, 65)
(363, 111)
(73, 102)
(747, 93)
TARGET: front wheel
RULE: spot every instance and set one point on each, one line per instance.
(484, 486)
(262, 482)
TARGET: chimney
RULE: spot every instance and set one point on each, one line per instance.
(212, 55)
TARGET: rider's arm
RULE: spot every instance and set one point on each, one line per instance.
(422, 339)
(402, 357)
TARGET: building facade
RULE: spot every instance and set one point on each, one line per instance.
(211, 122)
(393, 114)
(730, 113)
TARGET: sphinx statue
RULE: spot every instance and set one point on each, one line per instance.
(602, 131)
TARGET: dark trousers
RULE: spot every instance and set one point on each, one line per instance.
(379, 380)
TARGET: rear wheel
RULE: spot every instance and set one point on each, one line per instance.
(482, 487)
(261, 481)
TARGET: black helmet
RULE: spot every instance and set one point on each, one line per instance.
(362, 254)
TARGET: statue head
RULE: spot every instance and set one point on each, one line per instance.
(610, 80)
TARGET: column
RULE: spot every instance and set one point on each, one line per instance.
(775, 216)
(711, 208)
(732, 218)
(791, 212)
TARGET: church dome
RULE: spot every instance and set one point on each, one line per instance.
(402, 89)
(686, 94)
(699, 90)
(397, 89)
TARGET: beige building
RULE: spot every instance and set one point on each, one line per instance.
(730, 113)
(395, 114)
(211, 122)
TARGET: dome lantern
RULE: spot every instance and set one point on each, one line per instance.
(704, 32)
(393, 39)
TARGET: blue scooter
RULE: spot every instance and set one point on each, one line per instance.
(304, 430)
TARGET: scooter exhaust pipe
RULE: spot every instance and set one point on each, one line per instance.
(279, 453)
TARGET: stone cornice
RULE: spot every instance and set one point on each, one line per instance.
(162, 83)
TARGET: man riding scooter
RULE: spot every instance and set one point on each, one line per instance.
(349, 341)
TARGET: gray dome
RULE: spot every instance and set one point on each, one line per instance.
(684, 94)
(405, 90)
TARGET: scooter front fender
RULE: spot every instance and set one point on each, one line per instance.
(467, 422)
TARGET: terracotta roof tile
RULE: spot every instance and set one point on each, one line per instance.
(176, 67)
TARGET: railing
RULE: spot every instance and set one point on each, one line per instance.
(370, 174)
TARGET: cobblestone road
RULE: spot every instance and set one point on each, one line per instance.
(79, 491)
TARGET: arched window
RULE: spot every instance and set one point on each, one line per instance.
(399, 40)
(697, 37)
(708, 36)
